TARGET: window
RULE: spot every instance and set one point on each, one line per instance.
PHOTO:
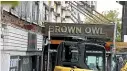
(70, 54)
(28, 12)
(46, 15)
(19, 9)
(95, 57)
(92, 2)
(14, 63)
(43, 13)
(23, 11)
(93, 7)
(95, 63)
(35, 10)
(32, 41)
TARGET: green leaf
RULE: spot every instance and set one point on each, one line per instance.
(12, 3)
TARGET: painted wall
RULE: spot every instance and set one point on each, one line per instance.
(15, 38)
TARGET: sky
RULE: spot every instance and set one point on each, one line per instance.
(105, 5)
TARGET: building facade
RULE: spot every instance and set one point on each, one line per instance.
(66, 11)
(22, 33)
(21, 37)
(124, 19)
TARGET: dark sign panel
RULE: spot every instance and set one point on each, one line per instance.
(94, 30)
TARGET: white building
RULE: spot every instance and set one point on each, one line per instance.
(21, 49)
(66, 11)
(125, 38)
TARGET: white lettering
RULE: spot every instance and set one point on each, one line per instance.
(95, 30)
(101, 31)
(51, 28)
(64, 29)
(78, 30)
(87, 30)
(71, 30)
(57, 28)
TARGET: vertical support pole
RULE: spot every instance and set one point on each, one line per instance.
(42, 57)
(48, 69)
(37, 61)
(114, 39)
(114, 47)
(48, 50)
(0, 36)
(109, 62)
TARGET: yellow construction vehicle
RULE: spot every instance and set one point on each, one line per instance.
(74, 56)
(121, 56)
(63, 53)
(124, 68)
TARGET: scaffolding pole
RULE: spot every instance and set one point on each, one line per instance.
(78, 9)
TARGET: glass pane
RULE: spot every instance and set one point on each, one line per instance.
(91, 62)
(74, 55)
(70, 54)
(95, 63)
(32, 41)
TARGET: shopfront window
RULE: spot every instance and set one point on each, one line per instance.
(14, 61)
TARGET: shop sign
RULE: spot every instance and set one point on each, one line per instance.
(121, 44)
(117, 44)
(94, 30)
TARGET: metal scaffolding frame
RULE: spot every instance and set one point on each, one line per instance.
(96, 12)
(83, 12)
(93, 17)
(89, 12)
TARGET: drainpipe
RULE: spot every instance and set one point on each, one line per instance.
(48, 65)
